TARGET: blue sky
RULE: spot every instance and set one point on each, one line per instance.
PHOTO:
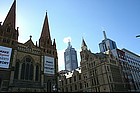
(77, 18)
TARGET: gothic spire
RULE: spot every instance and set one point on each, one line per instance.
(54, 43)
(11, 16)
(45, 30)
(83, 46)
(83, 42)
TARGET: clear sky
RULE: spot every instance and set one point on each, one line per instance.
(76, 18)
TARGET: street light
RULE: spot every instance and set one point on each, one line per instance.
(138, 36)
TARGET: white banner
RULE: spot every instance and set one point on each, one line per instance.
(48, 65)
(5, 55)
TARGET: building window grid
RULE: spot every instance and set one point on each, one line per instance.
(75, 78)
(80, 85)
(79, 77)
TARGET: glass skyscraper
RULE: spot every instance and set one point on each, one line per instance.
(70, 58)
(107, 44)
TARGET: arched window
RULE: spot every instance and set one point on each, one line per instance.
(23, 71)
(31, 72)
(27, 72)
(37, 73)
(27, 69)
(16, 70)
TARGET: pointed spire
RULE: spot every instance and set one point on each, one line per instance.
(83, 43)
(45, 30)
(36, 43)
(83, 46)
(11, 16)
(54, 43)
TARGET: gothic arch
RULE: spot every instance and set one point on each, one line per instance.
(16, 73)
(27, 68)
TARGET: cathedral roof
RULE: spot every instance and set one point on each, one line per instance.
(29, 42)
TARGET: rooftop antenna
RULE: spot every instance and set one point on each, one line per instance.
(104, 35)
(69, 44)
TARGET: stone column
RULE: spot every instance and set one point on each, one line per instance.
(42, 71)
(13, 66)
(19, 74)
(34, 73)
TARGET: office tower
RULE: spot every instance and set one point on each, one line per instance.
(107, 44)
(70, 58)
(129, 62)
(133, 65)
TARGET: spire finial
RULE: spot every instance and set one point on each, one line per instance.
(30, 37)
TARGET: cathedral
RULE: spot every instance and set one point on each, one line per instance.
(27, 67)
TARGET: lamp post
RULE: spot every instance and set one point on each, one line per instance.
(137, 36)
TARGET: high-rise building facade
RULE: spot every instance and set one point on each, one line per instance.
(133, 64)
(70, 58)
(26, 67)
(98, 72)
(129, 62)
(107, 44)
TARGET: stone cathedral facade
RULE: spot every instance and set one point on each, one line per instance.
(26, 67)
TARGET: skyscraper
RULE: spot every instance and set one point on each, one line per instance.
(70, 58)
(129, 62)
(107, 44)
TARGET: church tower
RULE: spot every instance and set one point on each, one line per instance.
(45, 37)
(8, 45)
(8, 31)
(49, 68)
(84, 51)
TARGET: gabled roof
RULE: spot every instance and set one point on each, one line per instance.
(29, 43)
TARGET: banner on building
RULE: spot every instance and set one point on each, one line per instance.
(48, 65)
(5, 55)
